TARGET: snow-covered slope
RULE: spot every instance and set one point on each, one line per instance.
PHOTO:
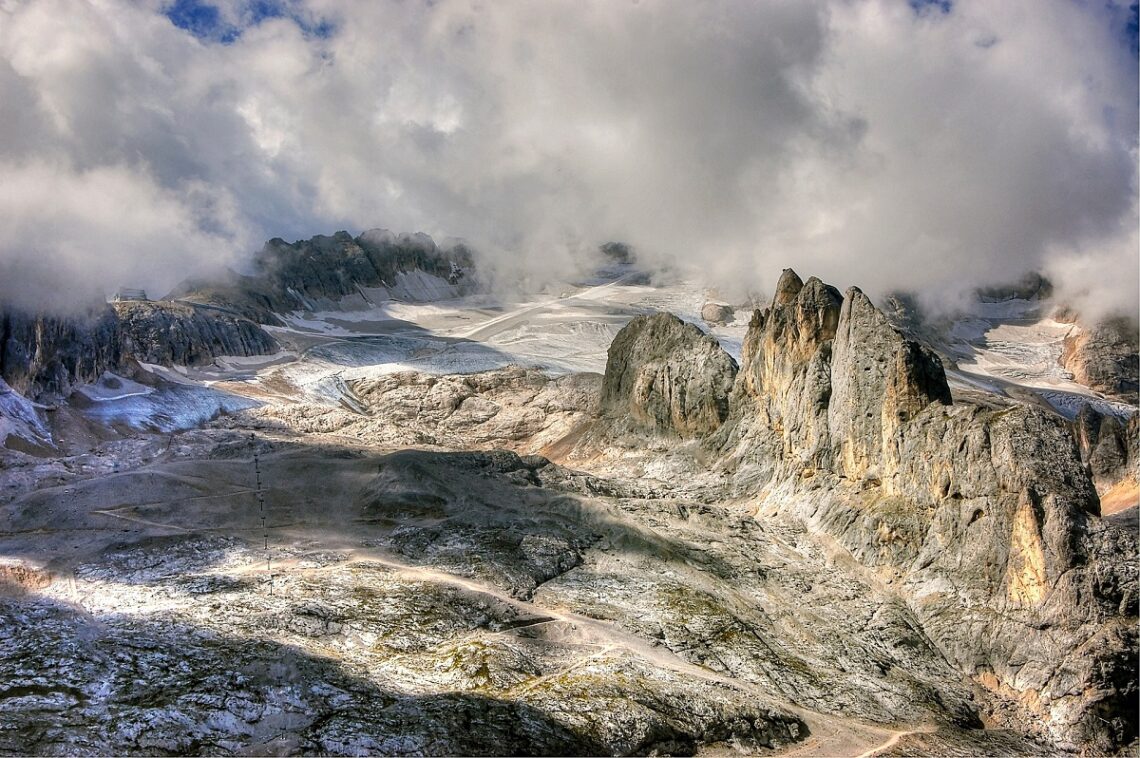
(564, 331)
(1013, 347)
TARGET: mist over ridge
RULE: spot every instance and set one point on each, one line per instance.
(925, 146)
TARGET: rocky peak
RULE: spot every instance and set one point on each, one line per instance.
(666, 376)
(880, 380)
(785, 380)
(787, 287)
(985, 516)
(324, 272)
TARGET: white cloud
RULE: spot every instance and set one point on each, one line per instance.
(860, 141)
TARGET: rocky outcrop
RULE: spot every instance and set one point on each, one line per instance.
(666, 376)
(173, 334)
(784, 385)
(321, 272)
(44, 356)
(1105, 357)
(1104, 444)
(1032, 286)
(986, 517)
(880, 381)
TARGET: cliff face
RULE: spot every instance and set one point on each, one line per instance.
(169, 333)
(46, 356)
(320, 272)
(1105, 444)
(983, 518)
(1104, 357)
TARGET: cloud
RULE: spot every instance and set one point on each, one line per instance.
(928, 146)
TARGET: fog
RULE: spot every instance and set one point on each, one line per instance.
(922, 146)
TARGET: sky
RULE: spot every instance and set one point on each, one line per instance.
(923, 145)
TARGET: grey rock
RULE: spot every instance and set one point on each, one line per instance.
(666, 376)
(784, 386)
(1032, 286)
(325, 269)
(788, 286)
(986, 514)
(1105, 357)
(717, 313)
(1104, 444)
(45, 357)
(169, 333)
(879, 380)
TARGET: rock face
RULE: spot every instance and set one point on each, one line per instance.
(666, 376)
(880, 381)
(1032, 286)
(46, 356)
(986, 517)
(1105, 358)
(323, 271)
(785, 381)
(1104, 444)
(169, 333)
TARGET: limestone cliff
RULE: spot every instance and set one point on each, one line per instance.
(983, 518)
(43, 356)
(1104, 357)
(170, 333)
(323, 271)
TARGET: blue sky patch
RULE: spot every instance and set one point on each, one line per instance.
(206, 22)
(920, 6)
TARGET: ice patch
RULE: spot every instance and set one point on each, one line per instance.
(170, 409)
(1069, 404)
(112, 387)
(1004, 345)
(20, 417)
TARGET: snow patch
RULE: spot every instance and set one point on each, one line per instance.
(170, 409)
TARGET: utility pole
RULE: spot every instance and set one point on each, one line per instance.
(261, 509)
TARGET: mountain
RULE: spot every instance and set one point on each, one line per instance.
(336, 507)
(338, 271)
(982, 513)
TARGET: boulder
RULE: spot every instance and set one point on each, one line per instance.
(716, 313)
